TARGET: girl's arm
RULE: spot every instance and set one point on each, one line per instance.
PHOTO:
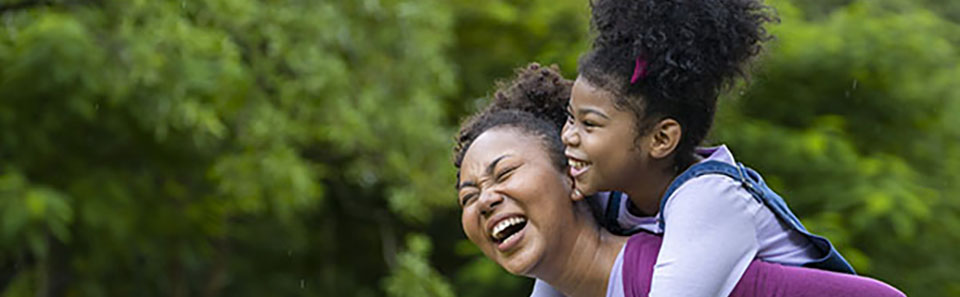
(709, 239)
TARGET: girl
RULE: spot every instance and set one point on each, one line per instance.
(644, 100)
(517, 208)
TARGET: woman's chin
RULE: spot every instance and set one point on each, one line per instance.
(521, 265)
(523, 257)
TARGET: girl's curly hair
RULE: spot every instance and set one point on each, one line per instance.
(693, 50)
(534, 101)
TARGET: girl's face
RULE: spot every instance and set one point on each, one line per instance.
(515, 202)
(600, 140)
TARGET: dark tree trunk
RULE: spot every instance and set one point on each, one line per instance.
(55, 269)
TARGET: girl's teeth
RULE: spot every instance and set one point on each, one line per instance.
(576, 164)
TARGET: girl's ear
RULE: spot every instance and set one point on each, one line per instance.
(665, 138)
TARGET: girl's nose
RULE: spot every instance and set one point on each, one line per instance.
(569, 136)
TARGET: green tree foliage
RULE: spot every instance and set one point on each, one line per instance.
(415, 277)
(852, 118)
(494, 37)
(301, 148)
(219, 148)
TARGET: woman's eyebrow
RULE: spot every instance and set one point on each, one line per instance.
(493, 164)
(466, 184)
(488, 171)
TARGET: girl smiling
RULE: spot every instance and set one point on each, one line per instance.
(643, 102)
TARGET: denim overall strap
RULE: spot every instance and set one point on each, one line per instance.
(609, 216)
(752, 182)
(708, 167)
(611, 213)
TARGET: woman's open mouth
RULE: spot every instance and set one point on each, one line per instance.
(508, 232)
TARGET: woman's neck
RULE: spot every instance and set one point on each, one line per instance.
(583, 267)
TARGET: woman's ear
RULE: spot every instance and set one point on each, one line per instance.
(665, 138)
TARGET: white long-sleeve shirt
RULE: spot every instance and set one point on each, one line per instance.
(715, 229)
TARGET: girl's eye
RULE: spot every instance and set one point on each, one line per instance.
(590, 124)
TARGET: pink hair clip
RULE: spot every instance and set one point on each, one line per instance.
(640, 70)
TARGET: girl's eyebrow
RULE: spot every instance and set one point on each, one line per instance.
(586, 110)
(488, 171)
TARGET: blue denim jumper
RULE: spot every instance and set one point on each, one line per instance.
(830, 260)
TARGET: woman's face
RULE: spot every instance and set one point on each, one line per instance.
(600, 140)
(516, 203)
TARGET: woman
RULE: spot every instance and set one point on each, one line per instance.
(518, 208)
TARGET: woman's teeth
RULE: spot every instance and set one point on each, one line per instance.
(499, 230)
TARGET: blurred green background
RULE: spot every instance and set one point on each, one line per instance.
(302, 148)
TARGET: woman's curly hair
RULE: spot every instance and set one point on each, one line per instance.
(693, 50)
(534, 101)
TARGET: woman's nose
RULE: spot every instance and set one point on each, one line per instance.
(489, 200)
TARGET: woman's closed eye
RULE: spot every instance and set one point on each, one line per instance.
(469, 192)
(502, 175)
(466, 196)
